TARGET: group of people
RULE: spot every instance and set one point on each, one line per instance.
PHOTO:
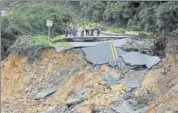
(89, 29)
(72, 30)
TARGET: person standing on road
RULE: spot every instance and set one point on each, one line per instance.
(74, 30)
(69, 30)
(87, 30)
(82, 29)
(66, 32)
(92, 29)
(98, 29)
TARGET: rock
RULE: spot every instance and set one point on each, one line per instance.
(27, 90)
(73, 101)
(79, 93)
(44, 93)
(128, 89)
(49, 110)
(103, 68)
(60, 109)
(46, 60)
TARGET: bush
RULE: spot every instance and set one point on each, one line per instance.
(30, 19)
(167, 16)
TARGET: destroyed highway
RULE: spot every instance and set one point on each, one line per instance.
(64, 79)
(89, 57)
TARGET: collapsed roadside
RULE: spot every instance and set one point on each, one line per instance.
(75, 84)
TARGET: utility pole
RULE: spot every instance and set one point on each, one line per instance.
(48, 31)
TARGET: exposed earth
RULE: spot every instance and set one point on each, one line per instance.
(82, 88)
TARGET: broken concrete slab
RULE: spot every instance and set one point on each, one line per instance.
(132, 83)
(61, 109)
(121, 42)
(136, 58)
(124, 107)
(111, 81)
(99, 54)
(60, 46)
(79, 94)
(120, 51)
(44, 93)
(73, 101)
(152, 60)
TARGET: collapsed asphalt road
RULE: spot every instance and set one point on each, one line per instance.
(76, 79)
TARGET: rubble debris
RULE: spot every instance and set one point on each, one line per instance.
(95, 68)
(120, 64)
(124, 107)
(143, 46)
(136, 58)
(44, 93)
(127, 96)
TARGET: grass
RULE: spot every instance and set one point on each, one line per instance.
(44, 40)
(58, 37)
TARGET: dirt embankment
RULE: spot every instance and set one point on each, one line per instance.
(68, 71)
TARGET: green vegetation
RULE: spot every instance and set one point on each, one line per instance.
(118, 30)
(58, 37)
(43, 40)
(32, 46)
(30, 19)
(134, 15)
